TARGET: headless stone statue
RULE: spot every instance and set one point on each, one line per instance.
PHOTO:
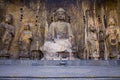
(7, 32)
(112, 38)
(60, 36)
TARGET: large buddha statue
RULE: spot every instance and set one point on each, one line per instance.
(60, 36)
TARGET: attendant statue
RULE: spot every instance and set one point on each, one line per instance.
(7, 32)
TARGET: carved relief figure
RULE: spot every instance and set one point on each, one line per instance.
(7, 32)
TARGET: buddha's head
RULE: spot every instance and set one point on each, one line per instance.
(60, 14)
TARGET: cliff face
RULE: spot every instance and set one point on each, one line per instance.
(76, 9)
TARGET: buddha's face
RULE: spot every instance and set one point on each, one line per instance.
(61, 15)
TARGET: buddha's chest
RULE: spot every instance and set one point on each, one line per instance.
(61, 27)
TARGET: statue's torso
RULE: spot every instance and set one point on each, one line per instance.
(7, 34)
(61, 30)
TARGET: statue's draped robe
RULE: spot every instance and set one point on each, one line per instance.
(61, 32)
(25, 40)
(6, 36)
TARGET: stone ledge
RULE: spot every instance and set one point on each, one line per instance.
(61, 62)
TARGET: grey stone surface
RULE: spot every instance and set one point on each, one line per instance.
(59, 70)
(60, 79)
(58, 62)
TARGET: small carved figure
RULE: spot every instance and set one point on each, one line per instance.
(7, 32)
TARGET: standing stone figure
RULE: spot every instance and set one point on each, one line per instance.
(93, 44)
(60, 37)
(25, 41)
(112, 38)
(7, 32)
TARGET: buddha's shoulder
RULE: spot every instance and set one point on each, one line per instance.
(53, 23)
(60, 23)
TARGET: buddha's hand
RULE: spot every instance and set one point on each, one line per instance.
(53, 40)
(70, 38)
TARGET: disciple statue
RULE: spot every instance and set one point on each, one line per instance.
(25, 41)
(60, 36)
(93, 44)
(112, 33)
(7, 32)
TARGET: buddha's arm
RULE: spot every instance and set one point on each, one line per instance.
(70, 33)
(52, 31)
